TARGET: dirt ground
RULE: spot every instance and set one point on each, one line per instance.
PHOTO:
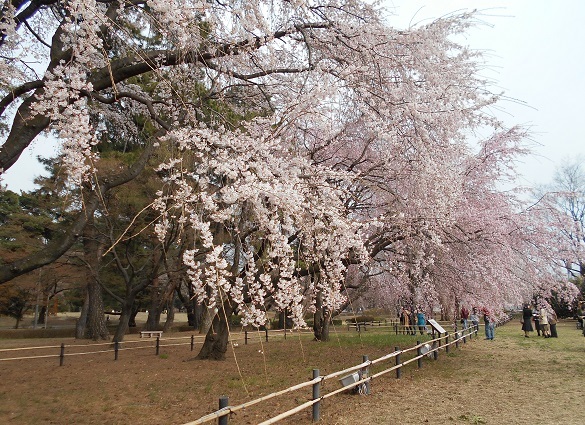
(511, 380)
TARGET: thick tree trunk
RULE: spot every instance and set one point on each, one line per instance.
(207, 318)
(194, 309)
(96, 322)
(195, 314)
(170, 313)
(321, 320)
(125, 316)
(155, 308)
(284, 322)
(42, 314)
(191, 316)
(132, 320)
(153, 319)
(96, 326)
(216, 340)
(82, 321)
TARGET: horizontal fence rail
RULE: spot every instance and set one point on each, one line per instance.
(70, 350)
(428, 348)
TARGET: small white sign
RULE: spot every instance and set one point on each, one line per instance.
(436, 326)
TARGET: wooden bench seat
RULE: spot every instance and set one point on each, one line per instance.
(150, 334)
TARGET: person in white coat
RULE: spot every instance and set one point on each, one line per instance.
(544, 326)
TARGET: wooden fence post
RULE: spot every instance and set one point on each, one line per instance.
(62, 354)
(456, 339)
(447, 343)
(192, 342)
(365, 374)
(223, 402)
(419, 354)
(157, 344)
(266, 330)
(398, 369)
(245, 337)
(316, 391)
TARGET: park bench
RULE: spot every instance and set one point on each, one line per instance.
(150, 334)
(359, 325)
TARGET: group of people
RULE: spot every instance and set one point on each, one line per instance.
(473, 317)
(467, 317)
(410, 321)
(545, 321)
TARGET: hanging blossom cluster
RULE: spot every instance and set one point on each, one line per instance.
(178, 20)
(262, 218)
(70, 115)
(62, 98)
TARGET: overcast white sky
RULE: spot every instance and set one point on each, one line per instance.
(535, 50)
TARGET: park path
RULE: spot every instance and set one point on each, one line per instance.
(511, 380)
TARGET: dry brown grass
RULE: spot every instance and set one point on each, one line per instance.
(511, 380)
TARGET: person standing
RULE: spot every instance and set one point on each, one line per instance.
(413, 320)
(464, 317)
(474, 318)
(543, 316)
(489, 326)
(527, 320)
(405, 321)
(421, 321)
(552, 322)
(536, 319)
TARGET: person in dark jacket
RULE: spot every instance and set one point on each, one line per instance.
(527, 320)
(536, 322)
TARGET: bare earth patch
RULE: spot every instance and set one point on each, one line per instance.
(483, 382)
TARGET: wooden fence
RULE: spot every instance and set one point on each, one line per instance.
(357, 377)
(116, 348)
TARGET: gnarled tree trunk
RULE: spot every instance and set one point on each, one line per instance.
(321, 320)
(216, 339)
(94, 326)
(125, 316)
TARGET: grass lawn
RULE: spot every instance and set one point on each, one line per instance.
(511, 380)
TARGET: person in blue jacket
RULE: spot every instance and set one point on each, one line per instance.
(421, 321)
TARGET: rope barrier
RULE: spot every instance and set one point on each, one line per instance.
(134, 348)
(30, 348)
(31, 357)
(173, 345)
(90, 352)
(232, 409)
